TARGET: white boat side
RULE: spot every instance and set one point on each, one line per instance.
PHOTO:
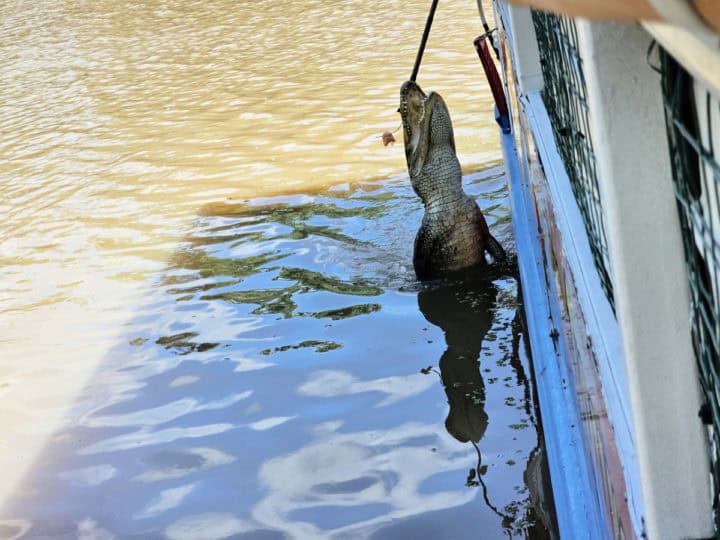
(643, 471)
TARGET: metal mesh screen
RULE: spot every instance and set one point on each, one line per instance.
(566, 102)
(692, 116)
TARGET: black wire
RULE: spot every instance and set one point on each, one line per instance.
(491, 506)
(648, 57)
(423, 42)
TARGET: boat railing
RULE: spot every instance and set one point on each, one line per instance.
(565, 97)
(692, 112)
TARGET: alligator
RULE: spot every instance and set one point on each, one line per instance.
(454, 234)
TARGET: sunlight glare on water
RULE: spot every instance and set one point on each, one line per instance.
(202, 234)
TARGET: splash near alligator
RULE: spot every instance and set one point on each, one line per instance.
(454, 234)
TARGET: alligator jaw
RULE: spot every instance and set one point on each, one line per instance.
(413, 109)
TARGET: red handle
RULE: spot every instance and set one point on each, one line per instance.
(491, 74)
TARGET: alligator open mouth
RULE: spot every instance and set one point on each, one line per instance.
(412, 111)
(415, 112)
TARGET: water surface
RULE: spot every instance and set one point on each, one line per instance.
(209, 325)
(288, 378)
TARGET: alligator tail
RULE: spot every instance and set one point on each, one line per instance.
(494, 248)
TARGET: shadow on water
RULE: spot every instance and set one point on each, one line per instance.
(274, 385)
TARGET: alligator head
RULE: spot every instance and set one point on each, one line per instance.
(420, 129)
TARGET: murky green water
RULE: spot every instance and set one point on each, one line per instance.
(209, 323)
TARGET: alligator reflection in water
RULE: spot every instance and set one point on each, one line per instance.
(464, 315)
(464, 311)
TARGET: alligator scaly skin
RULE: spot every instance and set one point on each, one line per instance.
(454, 234)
